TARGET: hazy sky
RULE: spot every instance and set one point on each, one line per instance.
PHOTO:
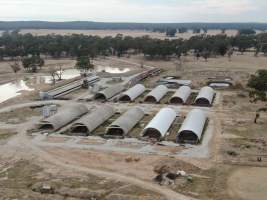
(136, 10)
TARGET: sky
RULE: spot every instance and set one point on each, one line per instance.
(135, 10)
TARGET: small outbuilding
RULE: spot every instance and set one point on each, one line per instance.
(205, 97)
(124, 124)
(64, 117)
(157, 94)
(192, 128)
(133, 93)
(160, 124)
(181, 95)
(109, 92)
(93, 120)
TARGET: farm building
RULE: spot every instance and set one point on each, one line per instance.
(160, 124)
(192, 128)
(157, 94)
(109, 92)
(205, 96)
(133, 93)
(90, 122)
(64, 117)
(181, 95)
(125, 123)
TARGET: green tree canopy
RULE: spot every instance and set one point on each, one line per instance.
(258, 83)
(83, 63)
(32, 63)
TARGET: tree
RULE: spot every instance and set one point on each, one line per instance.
(171, 32)
(182, 30)
(230, 53)
(54, 72)
(206, 55)
(15, 67)
(84, 64)
(32, 63)
(246, 32)
(258, 84)
(196, 30)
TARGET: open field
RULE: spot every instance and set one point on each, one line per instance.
(113, 33)
(230, 163)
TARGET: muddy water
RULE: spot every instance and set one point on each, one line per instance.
(112, 70)
(73, 73)
(13, 89)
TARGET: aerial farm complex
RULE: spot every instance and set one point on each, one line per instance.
(133, 127)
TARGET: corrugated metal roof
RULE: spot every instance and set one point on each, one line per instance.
(94, 119)
(183, 93)
(128, 120)
(65, 116)
(158, 93)
(206, 93)
(110, 91)
(161, 122)
(194, 122)
(134, 92)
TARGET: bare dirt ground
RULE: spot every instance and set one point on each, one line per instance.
(230, 172)
(241, 183)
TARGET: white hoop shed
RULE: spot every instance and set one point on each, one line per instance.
(157, 94)
(160, 124)
(192, 128)
(181, 95)
(133, 93)
(205, 96)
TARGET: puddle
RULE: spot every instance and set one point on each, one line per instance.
(10, 90)
(66, 74)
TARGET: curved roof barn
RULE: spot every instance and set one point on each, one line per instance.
(205, 96)
(64, 117)
(192, 127)
(181, 95)
(133, 93)
(124, 124)
(160, 124)
(109, 92)
(90, 122)
(157, 94)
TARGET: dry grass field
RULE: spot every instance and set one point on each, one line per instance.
(113, 33)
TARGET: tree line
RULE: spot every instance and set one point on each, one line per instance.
(13, 44)
(90, 25)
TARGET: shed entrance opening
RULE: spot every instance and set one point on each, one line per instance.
(115, 131)
(125, 98)
(46, 127)
(187, 137)
(176, 100)
(151, 99)
(152, 133)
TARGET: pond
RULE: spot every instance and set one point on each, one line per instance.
(73, 73)
(112, 70)
(13, 89)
